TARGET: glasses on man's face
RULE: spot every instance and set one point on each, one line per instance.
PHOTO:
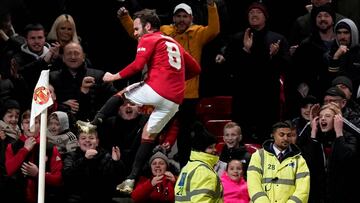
(327, 101)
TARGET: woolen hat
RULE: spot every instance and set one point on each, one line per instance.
(8, 104)
(159, 155)
(259, 6)
(342, 25)
(343, 80)
(201, 138)
(323, 8)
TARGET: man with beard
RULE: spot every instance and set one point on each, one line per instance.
(345, 54)
(193, 38)
(168, 66)
(302, 27)
(310, 60)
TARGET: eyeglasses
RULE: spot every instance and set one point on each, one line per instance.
(327, 101)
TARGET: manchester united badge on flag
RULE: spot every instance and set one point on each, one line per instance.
(41, 98)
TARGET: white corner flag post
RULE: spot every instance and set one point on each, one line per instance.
(40, 102)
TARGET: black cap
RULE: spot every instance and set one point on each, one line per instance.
(335, 91)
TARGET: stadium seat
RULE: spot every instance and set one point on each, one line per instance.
(219, 147)
(217, 107)
(252, 147)
(216, 127)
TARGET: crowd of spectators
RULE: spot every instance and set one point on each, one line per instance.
(290, 68)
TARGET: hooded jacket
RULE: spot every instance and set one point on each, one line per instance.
(353, 31)
(198, 181)
(66, 140)
(349, 63)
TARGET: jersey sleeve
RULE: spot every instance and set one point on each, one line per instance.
(143, 53)
(192, 68)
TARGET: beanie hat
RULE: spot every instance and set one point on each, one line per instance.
(335, 91)
(8, 104)
(201, 138)
(323, 8)
(259, 6)
(159, 155)
(342, 25)
(343, 80)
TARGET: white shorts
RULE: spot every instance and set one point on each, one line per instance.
(164, 109)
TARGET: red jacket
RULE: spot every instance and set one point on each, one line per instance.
(14, 161)
(145, 192)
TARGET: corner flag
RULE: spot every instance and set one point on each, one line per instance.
(41, 98)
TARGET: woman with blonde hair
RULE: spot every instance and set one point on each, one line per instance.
(330, 152)
(63, 30)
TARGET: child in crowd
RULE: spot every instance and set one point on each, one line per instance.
(59, 132)
(22, 165)
(160, 186)
(234, 183)
(90, 172)
(9, 129)
(9, 115)
(232, 148)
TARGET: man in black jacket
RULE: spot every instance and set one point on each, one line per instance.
(79, 89)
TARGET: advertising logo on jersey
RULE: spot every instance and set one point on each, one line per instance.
(143, 49)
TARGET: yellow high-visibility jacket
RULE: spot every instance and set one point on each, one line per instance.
(193, 40)
(198, 182)
(270, 181)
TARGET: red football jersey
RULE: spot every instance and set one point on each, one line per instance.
(166, 62)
